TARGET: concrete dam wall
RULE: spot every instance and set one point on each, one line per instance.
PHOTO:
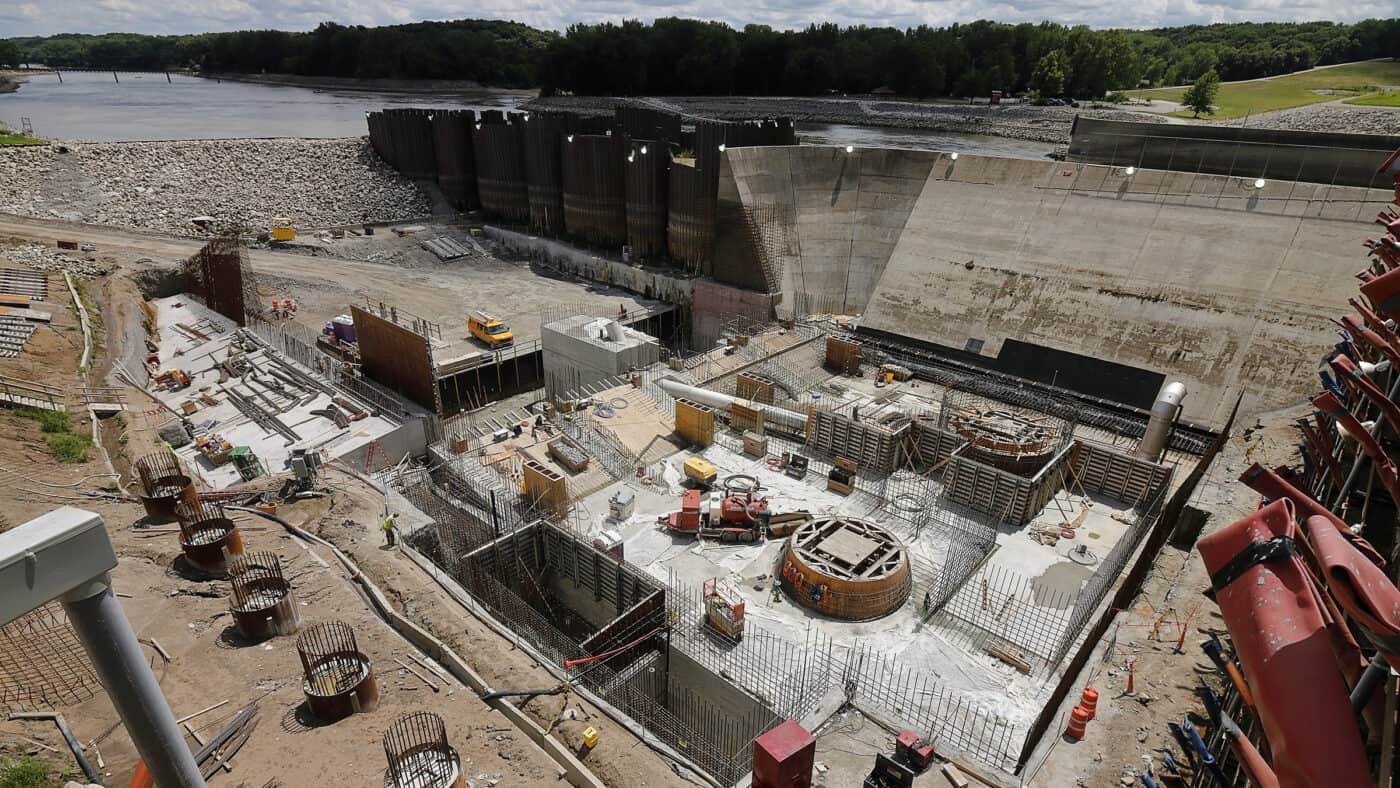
(1070, 269)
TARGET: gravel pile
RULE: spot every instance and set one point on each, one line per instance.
(44, 258)
(162, 185)
(1329, 117)
(1019, 121)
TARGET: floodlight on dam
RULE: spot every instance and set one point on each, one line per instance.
(721, 147)
(1129, 170)
(953, 155)
(1259, 183)
(850, 149)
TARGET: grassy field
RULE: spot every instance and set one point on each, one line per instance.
(8, 137)
(1237, 99)
(1390, 98)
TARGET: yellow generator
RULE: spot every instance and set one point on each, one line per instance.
(700, 472)
(282, 229)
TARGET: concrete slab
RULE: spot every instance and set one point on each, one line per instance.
(292, 404)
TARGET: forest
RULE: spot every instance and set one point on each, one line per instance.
(673, 56)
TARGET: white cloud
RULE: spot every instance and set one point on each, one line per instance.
(191, 16)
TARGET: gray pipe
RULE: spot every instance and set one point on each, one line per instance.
(783, 416)
(1159, 425)
(116, 655)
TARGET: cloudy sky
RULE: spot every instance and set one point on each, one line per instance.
(45, 17)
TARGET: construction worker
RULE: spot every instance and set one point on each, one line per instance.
(388, 526)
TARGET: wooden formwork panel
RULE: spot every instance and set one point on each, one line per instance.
(753, 387)
(695, 423)
(745, 418)
(843, 355)
(546, 488)
(1124, 478)
(870, 445)
(989, 490)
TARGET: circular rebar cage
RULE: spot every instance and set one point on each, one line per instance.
(338, 679)
(419, 755)
(164, 484)
(208, 535)
(262, 602)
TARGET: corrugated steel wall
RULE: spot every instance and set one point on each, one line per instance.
(397, 357)
(500, 167)
(523, 170)
(456, 160)
(645, 177)
(594, 194)
(544, 134)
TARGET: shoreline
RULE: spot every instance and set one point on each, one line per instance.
(425, 86)
(1026, 122)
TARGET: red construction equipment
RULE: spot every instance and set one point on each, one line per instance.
(913, 751)
(783, 757)
(742, 517)
(1282, 630)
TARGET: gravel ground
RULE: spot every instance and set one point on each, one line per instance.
(1020, 121)
(161, 185)
(1331, 116)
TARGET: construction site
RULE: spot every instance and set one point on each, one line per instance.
(672, 450)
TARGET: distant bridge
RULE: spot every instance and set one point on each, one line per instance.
(114, 71)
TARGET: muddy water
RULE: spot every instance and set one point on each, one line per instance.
(95, 107)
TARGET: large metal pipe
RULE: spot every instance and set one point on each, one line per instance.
(773, 413)
(116, 655)
(1159, 425)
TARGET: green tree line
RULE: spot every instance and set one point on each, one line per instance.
(690, 57)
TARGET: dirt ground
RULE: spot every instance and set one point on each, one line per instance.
(187, 613)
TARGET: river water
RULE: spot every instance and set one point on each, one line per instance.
(95, 107)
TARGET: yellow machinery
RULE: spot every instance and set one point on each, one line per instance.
(724, 610)
(489, 329)
(282, 229)
(701, 471)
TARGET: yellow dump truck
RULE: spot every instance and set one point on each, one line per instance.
(490, 330)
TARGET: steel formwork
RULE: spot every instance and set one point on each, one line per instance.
(645, 176)
(215, 277)
(594, 191)
(500, 166)
(544, 139)
(456, 157)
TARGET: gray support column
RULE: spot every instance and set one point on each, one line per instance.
(111, 644)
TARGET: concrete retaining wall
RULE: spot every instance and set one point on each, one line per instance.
(662, 284)
(1280, 154)
(1203, 278)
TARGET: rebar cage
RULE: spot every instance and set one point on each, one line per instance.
(330, 658)
(161, 474)
(257, 581)
(418, 753)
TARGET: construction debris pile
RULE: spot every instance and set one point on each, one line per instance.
(1305, 690)
(163, 185)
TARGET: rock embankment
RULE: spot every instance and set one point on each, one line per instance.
(45, 258)
(162, 185)
(1019, 121)
(1346, 118)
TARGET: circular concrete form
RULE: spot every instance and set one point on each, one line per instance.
(1016, 442)
(846, 568)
